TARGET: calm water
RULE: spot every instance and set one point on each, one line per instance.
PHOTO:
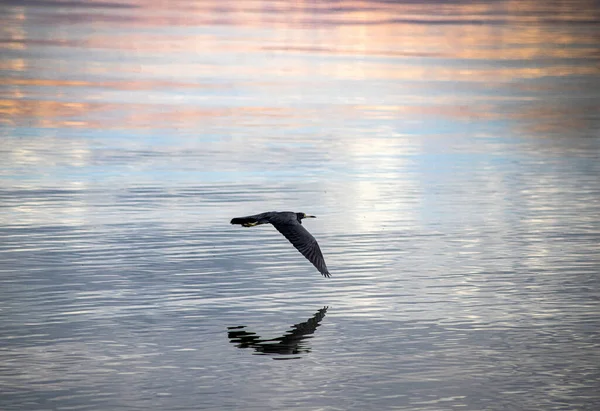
(451, 151)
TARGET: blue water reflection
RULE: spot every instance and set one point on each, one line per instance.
(450, 149)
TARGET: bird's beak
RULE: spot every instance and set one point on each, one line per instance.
(310, 216)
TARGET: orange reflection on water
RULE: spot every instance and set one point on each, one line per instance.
(116, 85)
(56, 114)
(43, 113)
(552, 117)
(227, 48)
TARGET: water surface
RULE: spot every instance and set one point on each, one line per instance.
(449, 149)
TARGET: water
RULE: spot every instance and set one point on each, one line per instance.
(450, 151)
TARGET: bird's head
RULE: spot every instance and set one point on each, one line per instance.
(304, 215)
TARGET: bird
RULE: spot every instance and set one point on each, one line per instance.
(289, 224)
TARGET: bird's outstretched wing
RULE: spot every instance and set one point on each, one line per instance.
(303, 241)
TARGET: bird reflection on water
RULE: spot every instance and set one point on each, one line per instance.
(292, 342)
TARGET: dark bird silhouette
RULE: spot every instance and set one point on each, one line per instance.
(290, 225)
(292, 342)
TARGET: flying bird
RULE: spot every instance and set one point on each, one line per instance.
(289, 224)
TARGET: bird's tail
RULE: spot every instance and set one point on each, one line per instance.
(245, 221)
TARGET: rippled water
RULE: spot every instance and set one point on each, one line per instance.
(449, 149)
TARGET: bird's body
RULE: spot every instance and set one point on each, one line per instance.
(289, 224)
